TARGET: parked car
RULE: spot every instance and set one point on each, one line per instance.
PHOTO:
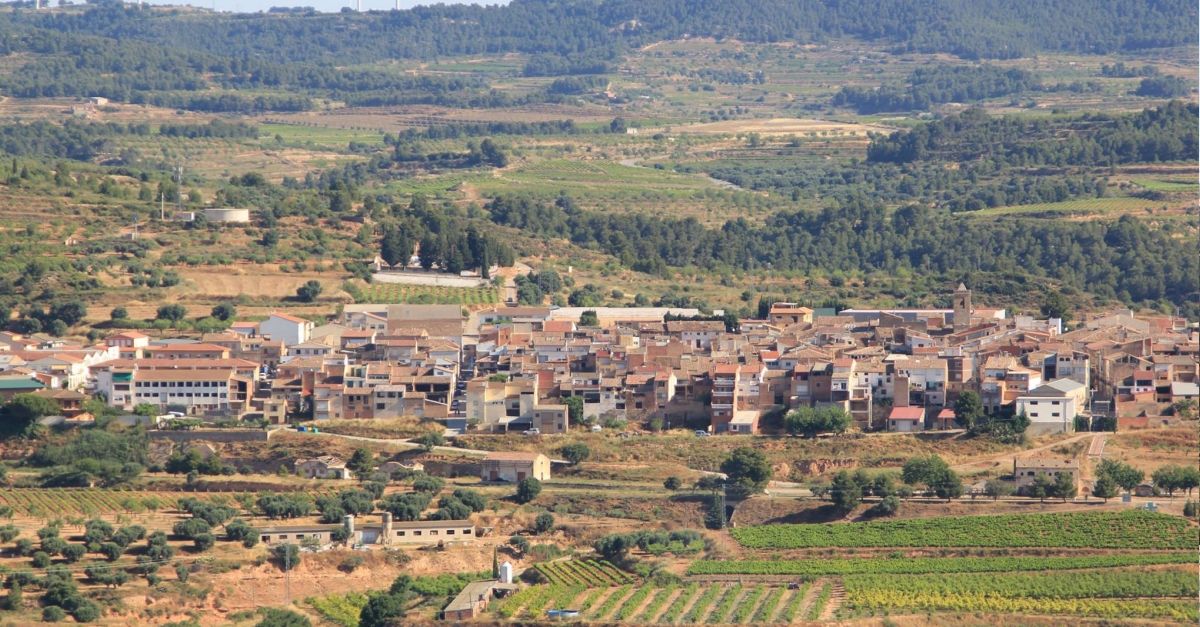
(533, 431)
(701, 434)
(597, 428)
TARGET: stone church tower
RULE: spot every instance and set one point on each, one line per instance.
(962, 308)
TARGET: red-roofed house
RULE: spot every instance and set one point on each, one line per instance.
(128, 343)
(186, 351)
(944, 419)
(906, 419)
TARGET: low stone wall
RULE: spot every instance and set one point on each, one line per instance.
(212, 435)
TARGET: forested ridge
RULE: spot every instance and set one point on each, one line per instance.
(997, 160)
(970, 28)
(1125, 259)
(1167, 133)
(164, 57)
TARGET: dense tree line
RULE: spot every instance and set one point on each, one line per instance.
(1165, 87)
(967, 188)
(1167, 133)
(938, 85)
(1120, 70)
(1125, 259)
(83, 141)
(568, 65)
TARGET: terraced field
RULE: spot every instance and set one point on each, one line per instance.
(1133, 529)
(590, 573)
(87, 501)
(692, 604)
(1118, 594)
(392, 293)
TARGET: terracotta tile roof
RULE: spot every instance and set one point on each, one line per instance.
(289, 317)
(907, 413)
(186, 348)
(511, 456)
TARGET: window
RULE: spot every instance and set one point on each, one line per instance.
(433, 532)
(449, 532)
(466, 531)
(416, 533)
(400, 533)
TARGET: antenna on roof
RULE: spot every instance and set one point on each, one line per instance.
(358, 5)
(179, 188)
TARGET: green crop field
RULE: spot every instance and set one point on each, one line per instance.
(425, 294)
(59, 501)
(1134, 529)
(324, 136)
(693, 604)
(595, 178)
(1130, 594)
(1116, 204)
(817, 567)
(1167, 184)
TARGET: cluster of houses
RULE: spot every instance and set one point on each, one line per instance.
(521, 368)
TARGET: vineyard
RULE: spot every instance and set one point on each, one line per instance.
(1133, 529)
(1089, 584)
(40, 502)
(692, 604)
(590, 573)
(396, 293)
(1123, 595)
(55, 502)
(817, 567)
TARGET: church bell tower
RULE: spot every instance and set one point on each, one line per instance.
(962, 308)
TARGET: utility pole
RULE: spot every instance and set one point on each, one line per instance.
(287, 574)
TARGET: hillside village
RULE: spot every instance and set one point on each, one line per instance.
(518, 368)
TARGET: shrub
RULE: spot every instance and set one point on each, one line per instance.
(53, 614)
(287, 556)
(350, 563)
(528, 489)
(204, 541)
(41, 559)
(73, 552)
(520, 543)
(543, 523)
(86, 611)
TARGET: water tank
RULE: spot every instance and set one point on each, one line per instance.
(227, 214)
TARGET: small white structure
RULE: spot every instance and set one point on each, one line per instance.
(1052, 407)
(506, 573)
(226, 214)
(286, 328)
